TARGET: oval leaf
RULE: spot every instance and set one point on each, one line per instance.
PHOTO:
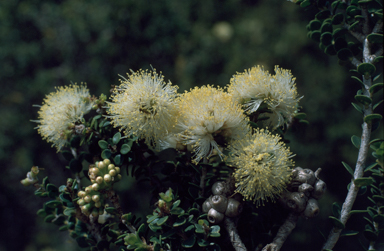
(103, 144)
(356, 141)
(349, 169)
(375, 38)
(106, 154)
(376, 87)
(125, 149)
(363, 182)
(366, 68)
(336, 222)
(363, 99)
(371, 118)
(116, 138)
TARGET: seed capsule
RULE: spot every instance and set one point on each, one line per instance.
(320, 188)
(206, 205)
(234, 208)
(312, 209)
(218, 188)
(214, 216)
(219, 203)
(107, 178)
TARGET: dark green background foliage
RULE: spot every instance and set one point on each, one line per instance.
(49, 43)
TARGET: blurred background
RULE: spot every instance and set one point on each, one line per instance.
(49, 43)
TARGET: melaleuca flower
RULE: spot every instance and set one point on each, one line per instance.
(60, 112)
(255, 86)
(208, 120)
(144, 106)
(262, 166)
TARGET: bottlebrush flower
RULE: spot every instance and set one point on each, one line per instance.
(144, 106)
(255, 86)
(262, 165)
(209, 119)
(60, 111)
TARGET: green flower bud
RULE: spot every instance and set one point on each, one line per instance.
(100, 165)
(26, 182)
(99, 180)
(119, 177)
(98, 204)
(81, 202)
(95, 187)
(107, 162)
(88, 189)
(112, 173)
(111, 166)
(96, 198)
(117, 169)
(81, 194)
(87, 199)
(107, 178)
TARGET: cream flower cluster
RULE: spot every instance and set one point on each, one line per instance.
(206, 121)
(144, 106)
(209, 119)
(255, 86)
(60, 111)
(262, 164)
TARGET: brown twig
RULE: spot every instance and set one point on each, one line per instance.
(283, 233)
(234, 236)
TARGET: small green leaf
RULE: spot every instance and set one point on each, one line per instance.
(326, 38)
(375, 38)
(314, 25)
(106, 154)
(315, 35)
(357, 107)
(64, 228)
(199, 229)
(336, 209)
(49, 218)
(214, 231)
(356, 141)
(338, 19)
(349, 233)
(69, 212)
(202, 243)
(305, 3)
(125, 149)
(52, 190)
(111, 210)
(344, 54)
(41, 212)
(370, 235)
(326, 27)
(368, 168)
(323, 14)
(378, 198)
(363, 99)
(103, 144)
(330, 50)
(161, 221)
(177, 211)
(372, 118)
(339, 32)
(376, 105)
(378, 218)
(116, 138)
(75, 142)
(336, 222)
(358, 80)
(190, 242)
(152, 218)
(117, 159)
(300, 115)
(363, 181)
(366, 69)
(375, 88)
(349, 169)
(357, 212)
(175, 204)
(180, 221)
(53, 203)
